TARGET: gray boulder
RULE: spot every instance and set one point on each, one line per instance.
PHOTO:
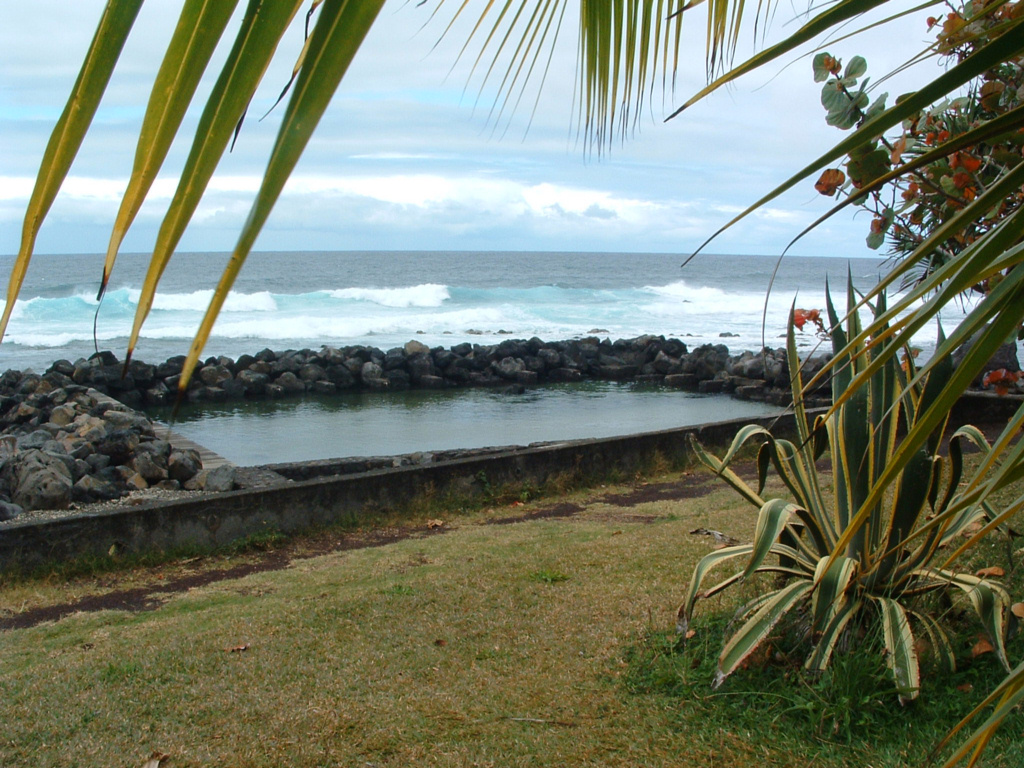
(509, 368)
(39, 481)
(184, 465)
(90, 488)
(9, 511)
(290, 383)
(219, 479)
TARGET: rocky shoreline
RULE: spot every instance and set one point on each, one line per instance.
(77, 434)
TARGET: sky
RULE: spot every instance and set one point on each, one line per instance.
(406, 157)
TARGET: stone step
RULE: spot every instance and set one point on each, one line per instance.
(163, 431)
(210, 459)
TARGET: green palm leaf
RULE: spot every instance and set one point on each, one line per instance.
(104, 51)
(338, 33)
(261, 30)
(199, 29)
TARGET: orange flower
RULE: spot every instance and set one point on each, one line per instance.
(802, 316)
(961, 179)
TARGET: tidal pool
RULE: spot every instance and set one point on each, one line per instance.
(251, 433)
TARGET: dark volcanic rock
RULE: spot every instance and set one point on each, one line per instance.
(39, 481)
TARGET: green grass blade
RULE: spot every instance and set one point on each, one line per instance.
(104, 51)
(255, 45)
(339, 31)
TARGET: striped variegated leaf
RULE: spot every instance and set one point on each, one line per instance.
(825, 642)
(990, 601)
(771, 520)
(757, 627)
(901, 656)
(832, 589)
(704, 566)
(938, 640)
(721, 467)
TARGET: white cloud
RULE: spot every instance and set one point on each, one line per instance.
(401, 150)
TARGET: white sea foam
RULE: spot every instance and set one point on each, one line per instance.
(425, 295)
(198, 301)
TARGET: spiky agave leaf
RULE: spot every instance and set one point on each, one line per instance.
(901, 656)
(833, 586)
(989, 599)
(772, 520)
(756, 628)
(938, 639)
(828, 637)
(721, 466)
(704, 566)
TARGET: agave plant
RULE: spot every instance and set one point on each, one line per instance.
(849, 555)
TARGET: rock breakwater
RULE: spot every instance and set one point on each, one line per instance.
(512, 363)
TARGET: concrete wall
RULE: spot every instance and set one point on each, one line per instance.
(218, 519)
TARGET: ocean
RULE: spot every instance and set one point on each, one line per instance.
(299, 300)
(303, 299)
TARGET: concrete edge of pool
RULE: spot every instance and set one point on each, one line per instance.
(337, 491)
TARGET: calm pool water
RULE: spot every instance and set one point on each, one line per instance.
(383, 424)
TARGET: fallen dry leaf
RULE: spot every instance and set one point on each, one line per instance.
(982, 647)
(830, 181)
(965, 687)
(1017, 609)
(237, 648)
(155, 759)
(993, 571)
(435, 524)
(690, 633)
(516, 504)
(971, 529)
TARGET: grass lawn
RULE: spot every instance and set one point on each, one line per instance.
(535, 634)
